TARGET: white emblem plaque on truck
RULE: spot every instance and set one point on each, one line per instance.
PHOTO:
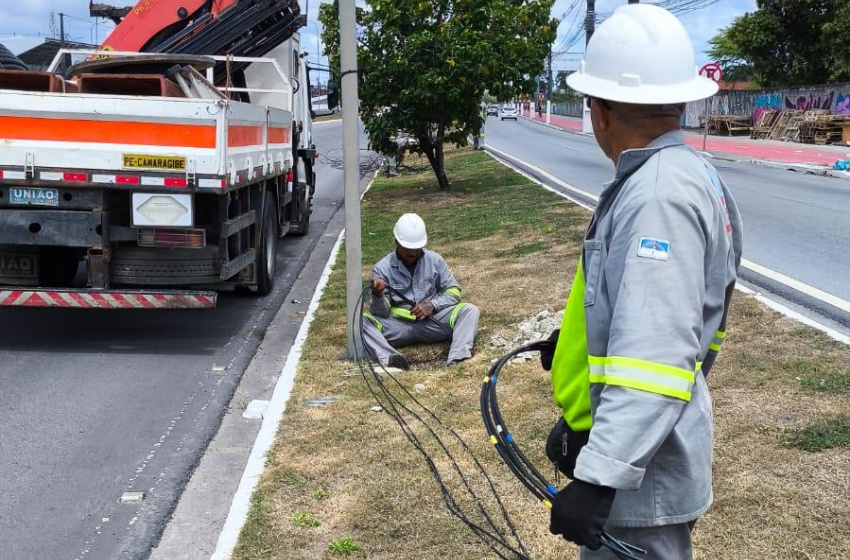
(34, 196)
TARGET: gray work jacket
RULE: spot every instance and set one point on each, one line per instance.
(663, 247)
(431, 281)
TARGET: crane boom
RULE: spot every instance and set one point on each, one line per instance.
(151, 22)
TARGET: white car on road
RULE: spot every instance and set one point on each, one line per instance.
(508, 112)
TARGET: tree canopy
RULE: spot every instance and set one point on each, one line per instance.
(787, 43)
(424, 66)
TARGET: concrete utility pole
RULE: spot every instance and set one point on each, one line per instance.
(549, 86)
(351, 175)
(589, 28)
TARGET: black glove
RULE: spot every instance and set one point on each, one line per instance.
(547, 352)
(579, 513)
(563, 446)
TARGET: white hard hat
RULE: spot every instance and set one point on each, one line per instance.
(642, 55)
(409, 231)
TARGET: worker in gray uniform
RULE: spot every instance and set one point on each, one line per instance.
(646, 314)
(416, 299)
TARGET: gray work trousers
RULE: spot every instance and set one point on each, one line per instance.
(667, 542)
(395, 333)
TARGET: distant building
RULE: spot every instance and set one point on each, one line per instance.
(39, 52)
(736, 86)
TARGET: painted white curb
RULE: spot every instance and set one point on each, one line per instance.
(241, 504)
(255, 466)
(778, 277)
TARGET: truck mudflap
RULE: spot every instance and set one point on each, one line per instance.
(106, 299)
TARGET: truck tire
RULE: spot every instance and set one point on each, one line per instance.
(10, 61)
(267, 255)
(301, 221)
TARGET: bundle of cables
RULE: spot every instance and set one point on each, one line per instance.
(516, 460)
(423, 428)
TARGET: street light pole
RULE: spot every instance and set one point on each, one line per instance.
(351, 174)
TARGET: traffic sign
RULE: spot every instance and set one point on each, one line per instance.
(711, 71)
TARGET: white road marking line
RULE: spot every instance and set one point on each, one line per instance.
(569, 147)
(778, 277)
(548, 175)
(790, 313)
(801, 287)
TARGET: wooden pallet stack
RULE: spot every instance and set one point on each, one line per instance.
(785, 126)
(730, 125)
(763, 124)
(809, 124)
(828, 129)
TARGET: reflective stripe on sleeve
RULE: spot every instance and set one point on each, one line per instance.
(455, 313)
(375, 321)
(643, 375)
(719, 337)
(454, 291)
(402, 313)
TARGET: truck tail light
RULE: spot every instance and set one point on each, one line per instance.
(182, 238)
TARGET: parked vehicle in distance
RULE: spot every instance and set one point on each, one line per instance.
(508, 112)
(492, 110)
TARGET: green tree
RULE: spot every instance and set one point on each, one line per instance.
(782, 43)
(425, 66)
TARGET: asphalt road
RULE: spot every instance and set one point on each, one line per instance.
(797, 225)
(99, 403)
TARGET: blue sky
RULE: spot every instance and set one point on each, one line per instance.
(31, 18)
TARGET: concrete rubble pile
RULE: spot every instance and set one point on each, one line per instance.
(538, 327)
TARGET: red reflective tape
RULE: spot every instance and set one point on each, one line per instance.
(79, 299)
(127, 180)
(143, 301)
(75, 177)
(175, 182)
(102, 301)
(1, 173)
(205, 301)
(122, 301)
(35, 300)
(58, 299)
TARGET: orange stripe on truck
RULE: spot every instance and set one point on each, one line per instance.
(238, 136)
(107, 132)
(278, 135)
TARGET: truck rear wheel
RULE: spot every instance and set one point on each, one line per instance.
(267, 255)
(301, 223)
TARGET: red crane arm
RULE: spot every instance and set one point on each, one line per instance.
(159, 19)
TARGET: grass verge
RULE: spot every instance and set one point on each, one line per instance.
(513, 246)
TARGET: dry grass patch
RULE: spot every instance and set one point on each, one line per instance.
(513, 247)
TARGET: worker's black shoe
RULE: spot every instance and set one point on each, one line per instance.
(455, 363)
(398, 361)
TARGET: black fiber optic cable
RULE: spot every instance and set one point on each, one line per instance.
(515, 459)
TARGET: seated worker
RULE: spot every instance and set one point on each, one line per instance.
(415, 298)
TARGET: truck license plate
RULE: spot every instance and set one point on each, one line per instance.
(34, 196)
(18, 266)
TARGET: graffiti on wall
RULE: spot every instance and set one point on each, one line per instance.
(768, 100)
(842, 105)
(810, 101)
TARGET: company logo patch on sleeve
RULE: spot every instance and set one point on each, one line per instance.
(652, 248)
